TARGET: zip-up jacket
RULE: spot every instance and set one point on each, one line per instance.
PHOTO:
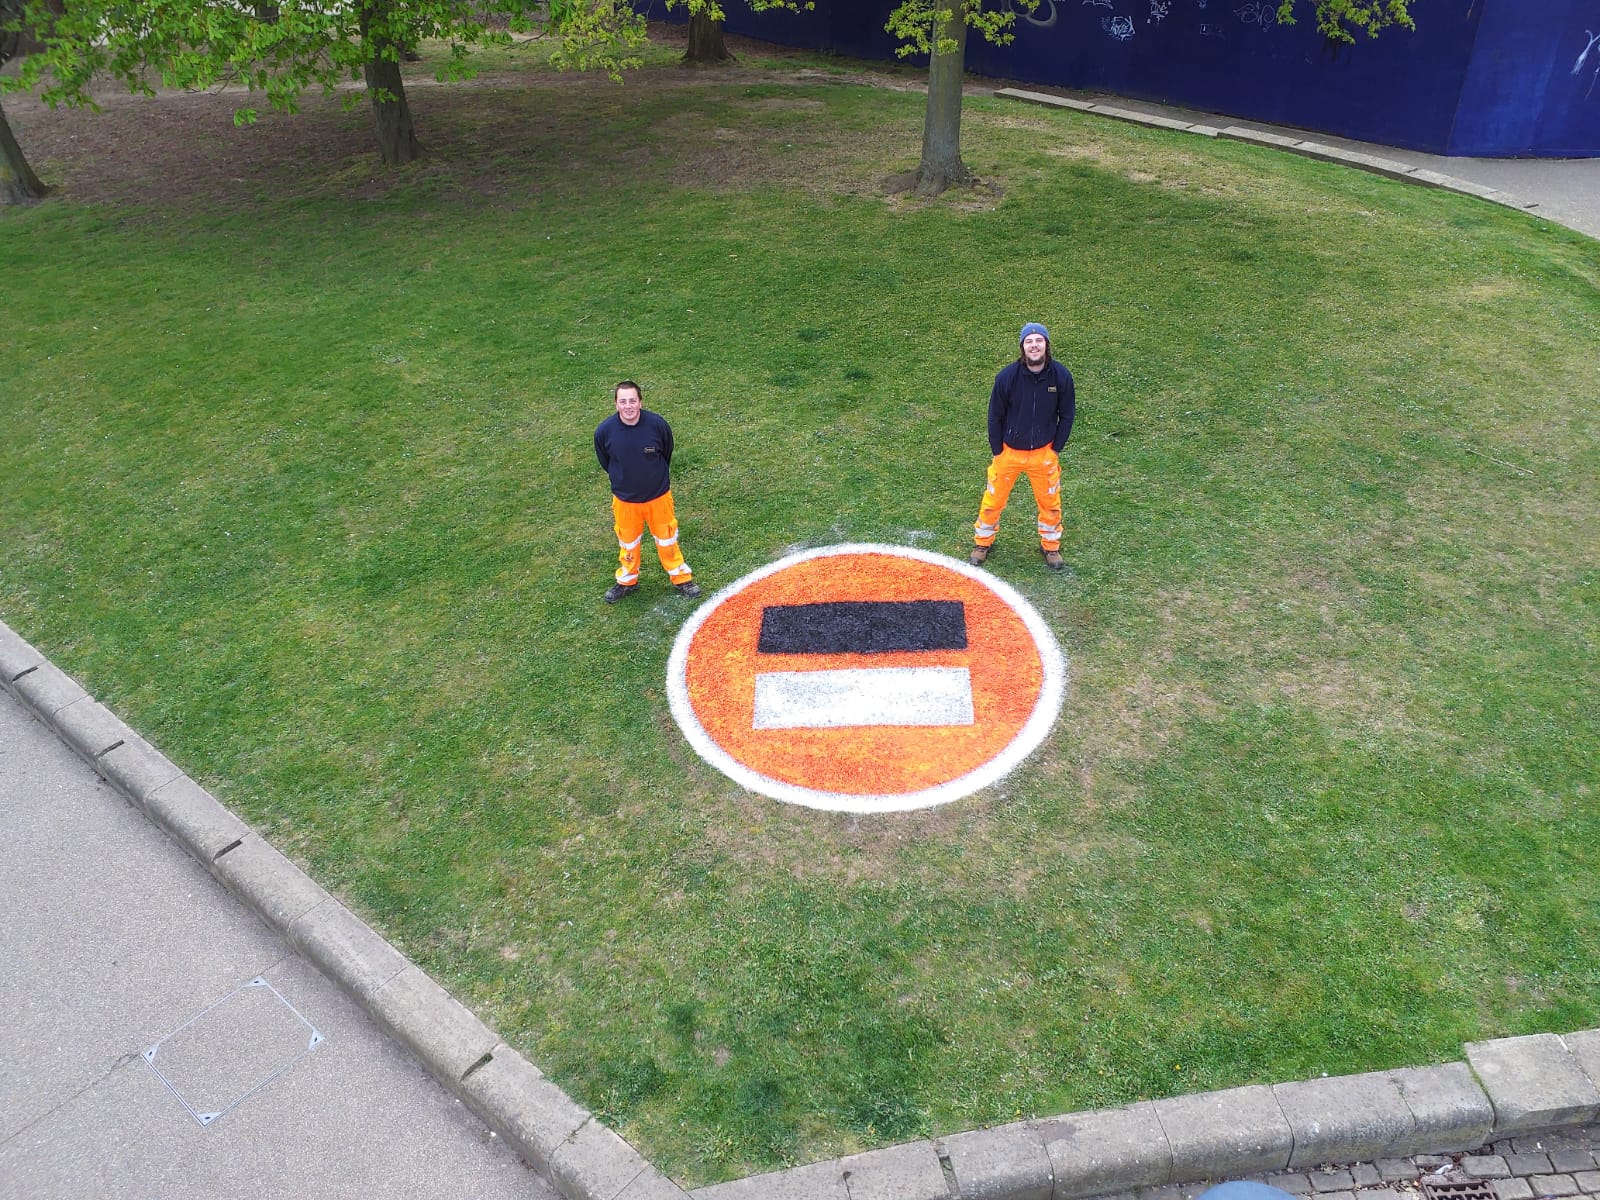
(636, 457)
(1028, 410)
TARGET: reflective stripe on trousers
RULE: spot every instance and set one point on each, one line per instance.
(629, 520)
(1043, 469)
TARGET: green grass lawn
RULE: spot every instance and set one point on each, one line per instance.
(300, 483)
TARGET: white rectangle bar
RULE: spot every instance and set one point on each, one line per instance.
(868, 696)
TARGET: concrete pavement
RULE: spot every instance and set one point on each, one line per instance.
(1563, 190)
(113, 939)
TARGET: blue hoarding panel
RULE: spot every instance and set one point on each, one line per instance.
(1481, 77)
(1534, 83)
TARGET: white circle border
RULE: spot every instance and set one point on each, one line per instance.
(1052, 693)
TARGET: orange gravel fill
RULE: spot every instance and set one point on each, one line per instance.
(864, 760)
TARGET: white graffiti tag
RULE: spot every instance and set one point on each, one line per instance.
(1097, 3)
(1159, 11)
(1043, 14)
(1258, 12)
(1577, 67)
(1120, 28)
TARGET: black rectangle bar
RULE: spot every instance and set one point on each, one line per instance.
(863, 627)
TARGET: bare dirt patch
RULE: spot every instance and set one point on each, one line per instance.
(496, 136)
(503, 137)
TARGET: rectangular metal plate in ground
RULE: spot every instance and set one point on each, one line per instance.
(232, 1050)
(1456, 1189)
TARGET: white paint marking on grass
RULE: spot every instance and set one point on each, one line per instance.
(1052, 691)
(863, 696)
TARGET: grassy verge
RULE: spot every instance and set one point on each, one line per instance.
(301, 484)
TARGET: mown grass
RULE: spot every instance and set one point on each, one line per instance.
(302, 486)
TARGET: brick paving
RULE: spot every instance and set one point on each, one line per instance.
(1562, 1165)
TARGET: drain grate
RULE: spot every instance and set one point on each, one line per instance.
(1456, 1189)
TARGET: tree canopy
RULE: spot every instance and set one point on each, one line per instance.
(18, 183)
(281, 50)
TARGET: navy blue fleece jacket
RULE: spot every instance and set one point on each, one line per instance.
(636, 457)
(1027, 410)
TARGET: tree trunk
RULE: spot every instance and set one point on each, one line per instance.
(18, 183)
(941, 166)
(705, 41)
(397, 137)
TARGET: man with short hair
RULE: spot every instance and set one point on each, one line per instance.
(1030, 419)
(634, 446)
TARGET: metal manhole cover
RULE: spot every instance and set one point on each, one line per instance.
(232, 1050)
(1456, 1189)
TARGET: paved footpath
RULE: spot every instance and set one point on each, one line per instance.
(1563, 190)
(1559, 1164)
(113, 940)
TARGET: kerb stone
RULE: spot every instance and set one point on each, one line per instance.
(1348, 1118)
(1450, 1111)
(595, 1164)
(513, 1098)
(48, 690)
(346, 949)
(1135, 117)
(1512, 201)
(1107, 1150)
(1045, 98)
(434, 1024)
(814, 1181)
(136, 769)
(1226, 1134)
(1584, 1047)
(268, 882)
(90, 728)
(1004, 1163)
(1450, 183)
(1534, 1082)
(1310, 149)
(910, 1171)
(1238, 133)
(16, 655)
(651, 1184)
(194, 818)
(1387, 167)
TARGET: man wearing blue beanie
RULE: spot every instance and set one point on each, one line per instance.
(1030, 419)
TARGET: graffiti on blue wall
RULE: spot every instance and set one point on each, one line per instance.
(1482, 77)
(1260, 13)
(1583, 59)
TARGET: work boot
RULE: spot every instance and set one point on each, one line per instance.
(978, 555)
(618, 591)
(1053, 559)
(690, 589)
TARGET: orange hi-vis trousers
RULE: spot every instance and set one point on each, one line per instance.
(1043, 469)
(630, 520)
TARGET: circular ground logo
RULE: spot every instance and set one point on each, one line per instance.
(866, 678)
